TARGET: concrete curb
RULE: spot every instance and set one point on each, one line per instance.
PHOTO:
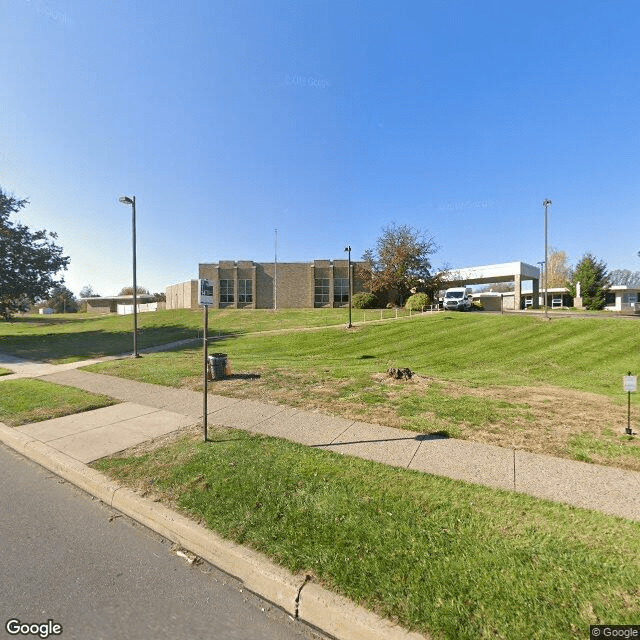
(341, 618)
(297, 595)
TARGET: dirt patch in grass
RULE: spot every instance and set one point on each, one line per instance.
(191, 433)
(135, 475)
(559, 415)
(541, 419)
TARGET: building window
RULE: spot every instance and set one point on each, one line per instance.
(245, 291)
(226, 290)
(341, 290)
(322, 291)
(610, 299)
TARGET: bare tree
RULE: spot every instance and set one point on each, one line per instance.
(128, 291)
(625, 277)
(88, 292)
(499, 287)
(558, 272)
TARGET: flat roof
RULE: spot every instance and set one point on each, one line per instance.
(504, 272)
(123, 298)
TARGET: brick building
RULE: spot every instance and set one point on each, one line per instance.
(245, 284)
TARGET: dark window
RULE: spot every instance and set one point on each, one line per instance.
(322, 291)
(245, 291)
(226, 290)
(340, 290)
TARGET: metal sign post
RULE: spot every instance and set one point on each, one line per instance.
(205, 298)
(630, 385)
(204, 351)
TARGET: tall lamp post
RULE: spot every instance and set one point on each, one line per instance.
(275, 274)
(545, 204)
(348, 249)
(132, 202)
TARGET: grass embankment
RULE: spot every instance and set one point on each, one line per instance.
(25, 401)
(4, 372)
(516, 381)
(439, 556)
(71, 337)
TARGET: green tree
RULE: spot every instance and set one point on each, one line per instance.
(363, 300)
(400, 264)
(594, 282)
(62, 300)
(29, 260)
(417, 302)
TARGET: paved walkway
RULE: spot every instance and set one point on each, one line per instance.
(148, 411)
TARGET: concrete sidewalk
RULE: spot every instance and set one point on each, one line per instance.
(150, 410)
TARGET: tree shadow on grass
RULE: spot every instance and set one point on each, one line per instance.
(60, 346)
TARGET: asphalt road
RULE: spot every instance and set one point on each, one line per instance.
(66, 557)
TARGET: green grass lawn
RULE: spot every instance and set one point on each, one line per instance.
(474, 349)
(24, 401)
(70, 337)
(440, 556)
(478, 372)
(478, 376)
(5, 372)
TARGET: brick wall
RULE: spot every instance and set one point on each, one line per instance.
(295, 282)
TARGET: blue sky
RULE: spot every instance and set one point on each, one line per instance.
(325, 120)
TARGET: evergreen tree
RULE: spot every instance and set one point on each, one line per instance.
(594, 282)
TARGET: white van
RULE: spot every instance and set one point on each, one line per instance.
(457, 299)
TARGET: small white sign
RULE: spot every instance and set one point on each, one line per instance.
(630, 383)
(205, 293)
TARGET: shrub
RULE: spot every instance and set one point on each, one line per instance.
(417, 302)
(363, 301)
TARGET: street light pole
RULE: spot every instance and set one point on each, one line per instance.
(348, 248)
(545, 204)
(132, 202)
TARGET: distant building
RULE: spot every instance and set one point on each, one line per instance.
(269, 285)
(622, 298)
(516, 272)
(109, 304)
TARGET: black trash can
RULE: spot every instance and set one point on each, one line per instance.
(217, 366)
